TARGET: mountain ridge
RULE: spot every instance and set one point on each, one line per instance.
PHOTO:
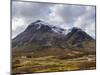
(40, 36)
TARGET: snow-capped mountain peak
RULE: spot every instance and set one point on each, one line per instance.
(39, 24)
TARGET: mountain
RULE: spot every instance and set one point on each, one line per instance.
(79, 40)
(39, 32)
(42, 39)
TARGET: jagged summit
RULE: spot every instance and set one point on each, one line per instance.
(39, 22)
(75, 29)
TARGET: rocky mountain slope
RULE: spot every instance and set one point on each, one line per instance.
(42, 39)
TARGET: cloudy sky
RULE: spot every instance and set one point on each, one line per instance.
(61, 15)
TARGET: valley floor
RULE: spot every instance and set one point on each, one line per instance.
(26, 65)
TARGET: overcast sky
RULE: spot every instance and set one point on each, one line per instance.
(61, 15)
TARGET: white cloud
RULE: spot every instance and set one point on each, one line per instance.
(17, 22)
(90, 29)
(87, 21)
(61, 15)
